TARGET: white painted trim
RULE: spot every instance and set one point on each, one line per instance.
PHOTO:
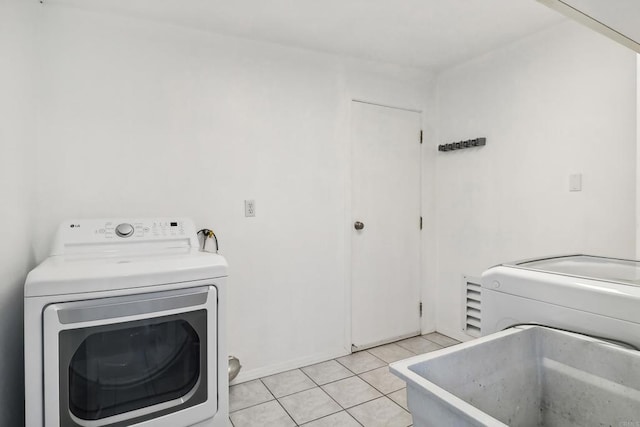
(348, 148)
(389, 341)
(253, 374)
(423, 227)
(428, 190)
(637, 156)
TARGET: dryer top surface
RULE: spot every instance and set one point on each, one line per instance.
(60, 275)
(112, 254)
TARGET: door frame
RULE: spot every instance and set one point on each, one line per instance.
(348, 342)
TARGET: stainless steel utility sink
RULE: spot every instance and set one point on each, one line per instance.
(526, 376)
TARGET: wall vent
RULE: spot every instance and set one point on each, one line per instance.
(472, 303)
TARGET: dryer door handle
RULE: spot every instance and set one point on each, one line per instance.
(131, 305)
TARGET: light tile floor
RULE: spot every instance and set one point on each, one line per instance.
(350, 391)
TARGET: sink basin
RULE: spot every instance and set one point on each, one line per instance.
(525, 376)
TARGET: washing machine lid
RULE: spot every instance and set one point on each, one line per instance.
(616, 270)
(598, 285)
(109, 254)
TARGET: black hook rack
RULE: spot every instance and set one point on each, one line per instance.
(478, 142)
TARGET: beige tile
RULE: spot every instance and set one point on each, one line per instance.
(381, 412)
(361, 361)
(440, 339)
(269, 414)
(327, 372)
(351, 391)
(248, 394)
(400, 397)
(341, 419)
(390, 352)
(419, 345)
(309, 405)
(383, 380)
(288, 382)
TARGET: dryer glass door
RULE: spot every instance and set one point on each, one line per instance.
(132, 365)
(115, 370)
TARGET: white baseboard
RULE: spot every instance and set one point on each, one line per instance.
(265, 371)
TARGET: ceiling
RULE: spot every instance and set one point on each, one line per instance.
(428, 34)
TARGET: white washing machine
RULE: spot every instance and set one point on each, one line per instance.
(125, 326)
(593, 295)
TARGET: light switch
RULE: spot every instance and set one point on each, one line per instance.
(575, 182)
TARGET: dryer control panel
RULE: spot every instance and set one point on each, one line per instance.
(90, 235)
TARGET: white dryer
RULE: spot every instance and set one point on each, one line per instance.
(588, 294)
(125, 326)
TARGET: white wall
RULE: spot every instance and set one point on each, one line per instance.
(638, 157)
(144, 119)
(17, 136)
(559, 102)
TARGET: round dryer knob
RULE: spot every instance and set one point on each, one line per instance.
(124, 230)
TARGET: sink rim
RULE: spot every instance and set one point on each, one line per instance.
(403, 370)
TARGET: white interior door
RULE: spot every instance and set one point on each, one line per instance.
(385, 253)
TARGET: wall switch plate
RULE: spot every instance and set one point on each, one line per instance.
(575, 182)
(249, 208)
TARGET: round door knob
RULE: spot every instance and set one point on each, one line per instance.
(124, 230)
(358, 225)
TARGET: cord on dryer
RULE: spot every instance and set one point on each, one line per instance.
(208, 234)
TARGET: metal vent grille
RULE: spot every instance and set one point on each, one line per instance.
(472, 302)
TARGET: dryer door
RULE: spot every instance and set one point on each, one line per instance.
(126, 360)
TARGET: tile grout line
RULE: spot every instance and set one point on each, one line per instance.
(326, 416)
(280, 403)
(267, 387)
(343, 408)
(251, 406)
(400, 406)
(317, 385)
(330, 397)
(383, 361)
(378, 390)
(307, 375)
(365, 401)
(368, 370)
(446, 336)
(320, 387)
(409, 350)
(383, 396)
(295, 392)
(287, 412)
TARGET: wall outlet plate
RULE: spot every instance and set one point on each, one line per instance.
(249, 208)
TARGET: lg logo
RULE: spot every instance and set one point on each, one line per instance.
(75, 226)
